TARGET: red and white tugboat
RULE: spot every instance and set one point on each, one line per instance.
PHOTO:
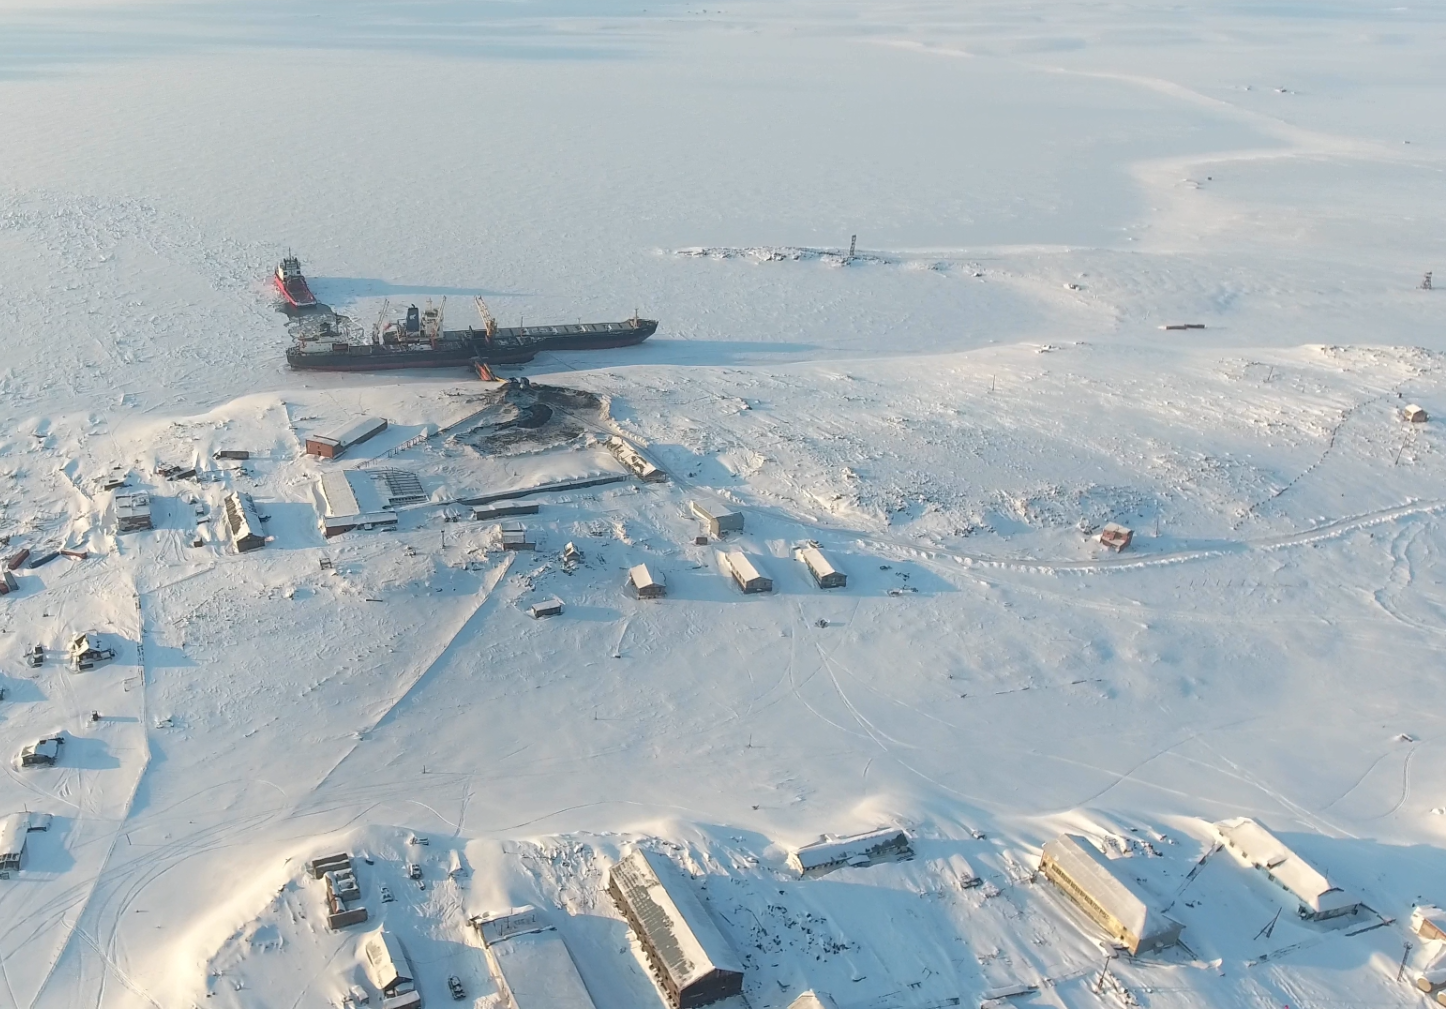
(292, 284)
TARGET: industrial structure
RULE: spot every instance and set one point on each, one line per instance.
(333, 446)
(830, 853)
(691, 961)
(1317, 898)
(1107, 894)
(530, 962)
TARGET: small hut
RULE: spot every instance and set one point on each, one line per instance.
(1116, 536)
(643, 583)
(1414, 414)
(550, 608)
(748, 577)
(514, 537)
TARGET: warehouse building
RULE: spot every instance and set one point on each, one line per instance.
(352, 500)
(1105, 892)
(333, 446)
(1316, 896)
(530, 962)
(825, 575)
(718, 520)
(748, 577)
(689, 958)
(243, 523)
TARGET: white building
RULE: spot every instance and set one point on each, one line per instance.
(389, 969)
(629, 456)
(825, 575)
(243, 523)
(748, 577)
(718, 520)
(1105, 891)
(690, 959)
(1316, 896)
(829, 853)
(644, 583)
(14, 829)
(353, 500)
(530, 962)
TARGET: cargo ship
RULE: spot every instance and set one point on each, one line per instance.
(418, 340)
(292, 285)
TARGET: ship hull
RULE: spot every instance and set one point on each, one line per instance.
(296, 294)
(467, 348)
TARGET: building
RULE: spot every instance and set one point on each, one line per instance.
(1414, 414)
(1116, 536)
(88, 650)
(830, 853)
(530, 963)
(504, 510)
(689, 958)
(748, 577)
(390, 971)
(1317, 898)
(825, 575)
(1105, 891)
(550, 608)
(243, 523)
(629, 456)
(42, 752)
(644, 583)
(354, 499)
(330, 447)
(1429, 922)
(813, 1000)
(14, 829)
(132, 512)
(514, 537)
(343, 892)
(718, 520)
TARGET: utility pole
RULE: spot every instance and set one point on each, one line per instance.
(1401, 971)
(854, 242)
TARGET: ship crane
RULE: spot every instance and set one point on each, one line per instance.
(380, 326)
(489, 324)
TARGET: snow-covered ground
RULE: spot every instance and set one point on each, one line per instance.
(952, 415)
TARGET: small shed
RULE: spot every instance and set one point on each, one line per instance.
(689, 958)
(42, 752)
(389, 969)
(718, 520)
(243, 523)
(132, 512)
(1317, 898)
(550, 608)
(629, 456)
(1429, 922)
(748, 577)
(1108, 894)
(514, 537)
(825, 575)
(830, 853)
(332, 446)
(1414, 414)
(530, 962)
(1116, 536)
(643, 583)
(14, 828)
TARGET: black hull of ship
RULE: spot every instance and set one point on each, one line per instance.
(468, 348)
